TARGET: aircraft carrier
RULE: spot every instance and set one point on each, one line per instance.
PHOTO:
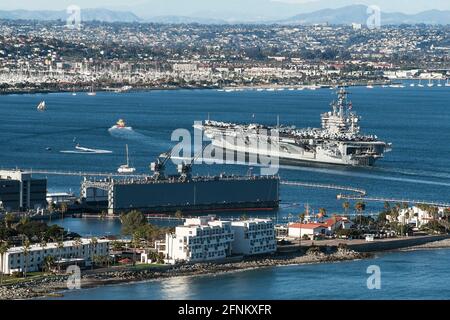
(339, 140)
(160, 193)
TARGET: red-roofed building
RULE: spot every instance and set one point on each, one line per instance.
(337, 222)
(297, 230)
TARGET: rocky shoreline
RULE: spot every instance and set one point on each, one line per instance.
(49, 286)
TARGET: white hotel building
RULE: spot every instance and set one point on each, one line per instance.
(255, 236)
(14, 259)
(207, 239)
(199, 239)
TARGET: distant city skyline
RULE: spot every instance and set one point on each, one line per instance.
(229, 9)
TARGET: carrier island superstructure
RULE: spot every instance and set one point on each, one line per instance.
(167, 193)
(338, 141)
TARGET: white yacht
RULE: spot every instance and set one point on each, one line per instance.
(125, 168)
(92, 92)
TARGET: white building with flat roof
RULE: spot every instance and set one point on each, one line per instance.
(254, 236)
(199, 240)
(14, 260)
(299, 230)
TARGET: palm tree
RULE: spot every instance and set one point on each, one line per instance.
(360, 207)
(60, 246)
(77, 243)
(346, 206)
(135, 241)
(394, 214)
(4, 247)
(179, 214)
(94, 242)
(407, 215)
(322, 212)
(24, 220)
(302, 218)
(43, 244)
(9, 219)
(26, 252)
(63, 209)
(49, 263)
(434, 212)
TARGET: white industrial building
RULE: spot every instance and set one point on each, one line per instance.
(14, 260)
(252, 237)
(207, 239)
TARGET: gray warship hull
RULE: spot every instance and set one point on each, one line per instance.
(339, 140)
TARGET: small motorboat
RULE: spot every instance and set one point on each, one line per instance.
(121, 125)
(41, 106)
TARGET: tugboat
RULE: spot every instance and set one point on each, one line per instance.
(121, 125)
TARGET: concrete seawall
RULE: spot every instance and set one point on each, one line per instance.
(362, 246)
(395, 244)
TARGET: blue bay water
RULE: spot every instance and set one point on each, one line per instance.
(421, 274)
(415, 120)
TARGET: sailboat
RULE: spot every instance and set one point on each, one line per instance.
(430, 83)
(92, 92)
(448, 83)
(420, 84)
(41, 106)
(125, 168)
(439, 83)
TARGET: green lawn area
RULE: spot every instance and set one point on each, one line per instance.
(146, 266)
(30, 276)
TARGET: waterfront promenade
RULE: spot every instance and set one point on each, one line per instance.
(361, 245)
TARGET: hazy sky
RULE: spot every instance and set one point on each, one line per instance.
(239, 8)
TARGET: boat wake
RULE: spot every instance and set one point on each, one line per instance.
(86, 152)
(126, 133)
(348, 173)
(83, 150)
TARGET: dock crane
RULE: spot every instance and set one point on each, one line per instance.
(185, 169)
(159, 166)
